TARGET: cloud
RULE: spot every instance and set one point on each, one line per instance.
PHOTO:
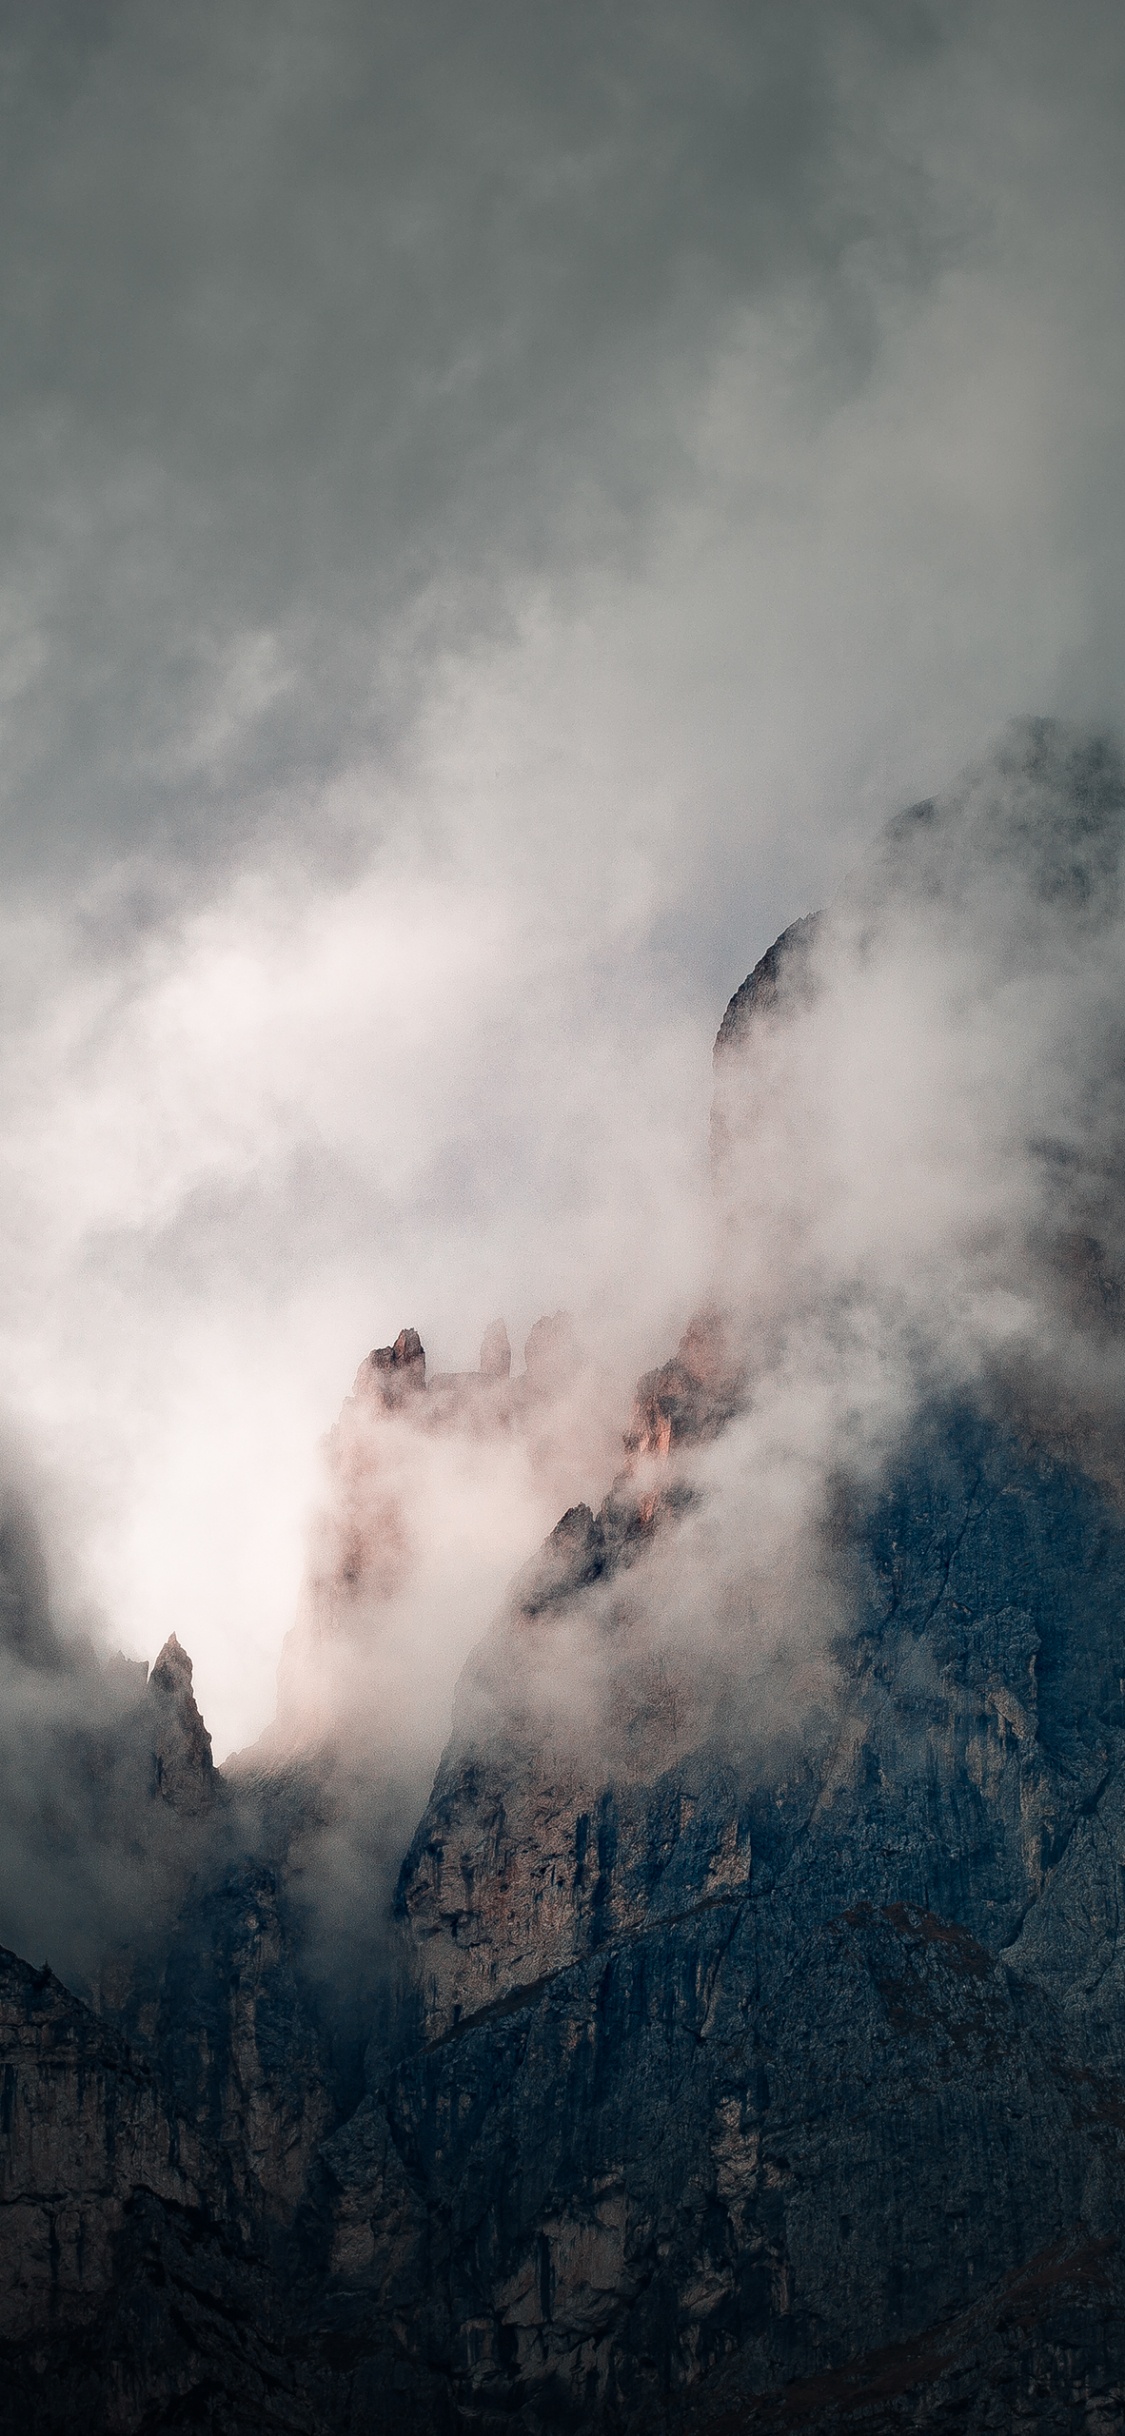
(231, 1164)
(920, 1143)
(330, 332)
(499, 507)
(324, 324)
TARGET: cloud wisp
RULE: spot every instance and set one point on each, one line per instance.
(495, 512)
(919, 1143)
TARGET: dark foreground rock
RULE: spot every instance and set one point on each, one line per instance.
(851, 2102)
(131, 2294)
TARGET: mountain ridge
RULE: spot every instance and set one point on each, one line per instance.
(732, 2037)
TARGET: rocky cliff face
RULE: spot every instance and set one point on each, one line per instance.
(805, 2083)
(800, 2083)
(720, 2061)
(131, 2296)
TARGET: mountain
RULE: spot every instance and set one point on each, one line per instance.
(731, 2035)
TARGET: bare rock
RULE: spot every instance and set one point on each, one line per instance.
(85, 2126)
(183, 1770)
(396, 1371)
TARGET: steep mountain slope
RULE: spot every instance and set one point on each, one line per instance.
(819, 2095)
(739, 2044)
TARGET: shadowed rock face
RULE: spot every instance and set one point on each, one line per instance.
(130, 2294)
(709, 2078)
(809, 2085)
(85, 2126)
(725, 2098)
(782, 978)
(108, 1796)
(182, 1754)
(803, 2083)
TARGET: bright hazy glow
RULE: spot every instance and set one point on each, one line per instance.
(502, 505)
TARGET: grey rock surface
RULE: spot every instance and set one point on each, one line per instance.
(801, 2079)
(721, 2065)
(828, 2106)
(777, 2096)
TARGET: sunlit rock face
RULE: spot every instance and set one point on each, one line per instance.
(411, 1454)
(569, 1806)
(737, 2042)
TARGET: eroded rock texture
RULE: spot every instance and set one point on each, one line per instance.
(860, 2093)
(717, 2065)
(130, 2294)
(719, 2097)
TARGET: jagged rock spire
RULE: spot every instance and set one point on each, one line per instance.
(183, 1769)
(397, 1370)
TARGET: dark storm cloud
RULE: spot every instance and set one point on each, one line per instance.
(322, 322)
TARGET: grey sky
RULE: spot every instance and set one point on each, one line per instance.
(497, 502)
(326, 322)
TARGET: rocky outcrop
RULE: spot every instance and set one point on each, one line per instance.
(781, 2092)
(690, 1398)
(221, 2009)
(518, 1872)
(789, 2094)
(816, 2081)
(129, 2298)
(782, 976)
(732, 2058)
(395, 1372)
(108, 1800)
(85, 2127)
(785, 977)
(183, 1769)
(367, 1538)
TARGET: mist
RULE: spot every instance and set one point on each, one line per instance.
(918, 1149)
(498, 516)
(917, 1144)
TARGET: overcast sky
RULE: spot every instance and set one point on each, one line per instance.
(500, 498)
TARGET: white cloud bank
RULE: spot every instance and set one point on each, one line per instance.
(499, 510)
